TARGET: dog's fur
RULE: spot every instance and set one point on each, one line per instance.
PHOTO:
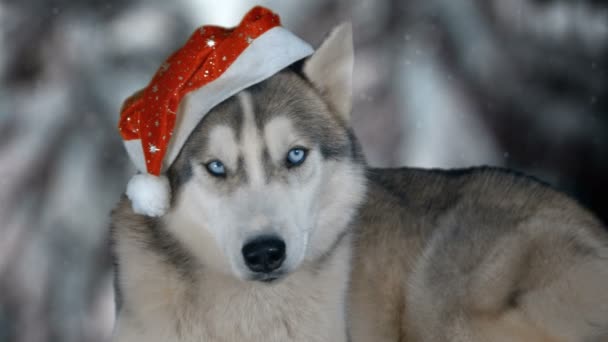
(372, 255)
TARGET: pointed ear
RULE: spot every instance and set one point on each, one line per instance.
(330, 69)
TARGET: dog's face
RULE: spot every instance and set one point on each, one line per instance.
(271, 177)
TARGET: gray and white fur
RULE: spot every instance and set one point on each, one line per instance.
(367, 254)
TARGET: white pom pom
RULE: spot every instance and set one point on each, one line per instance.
(149, 194)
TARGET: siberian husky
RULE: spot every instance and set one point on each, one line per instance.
(278, 231)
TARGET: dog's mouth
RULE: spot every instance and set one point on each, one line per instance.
(268, 277)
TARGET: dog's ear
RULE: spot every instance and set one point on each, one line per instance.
(330, 69)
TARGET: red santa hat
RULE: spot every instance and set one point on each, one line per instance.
(214, 64)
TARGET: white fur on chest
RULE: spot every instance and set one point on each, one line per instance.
(160, 306)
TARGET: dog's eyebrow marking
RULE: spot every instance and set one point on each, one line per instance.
(278, 135)
(223, 145)
(251, 145)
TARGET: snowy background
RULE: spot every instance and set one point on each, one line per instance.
(438, 83)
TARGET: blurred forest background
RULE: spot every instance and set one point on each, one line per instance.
(438, 83)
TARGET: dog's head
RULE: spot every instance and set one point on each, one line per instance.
(271, 177)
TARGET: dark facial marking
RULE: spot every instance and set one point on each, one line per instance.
(227, 113)
(288, 94)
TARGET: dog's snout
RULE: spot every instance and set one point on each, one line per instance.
(264, 254)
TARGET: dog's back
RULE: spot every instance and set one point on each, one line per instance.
(476, 255)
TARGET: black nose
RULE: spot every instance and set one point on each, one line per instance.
(264, 254)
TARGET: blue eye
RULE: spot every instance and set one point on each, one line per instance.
(216, 168)
(296, 156)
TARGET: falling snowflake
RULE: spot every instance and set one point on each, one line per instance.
(249, 40)
(210, 42)
(153, 148)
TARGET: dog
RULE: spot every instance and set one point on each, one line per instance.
(279, 231)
